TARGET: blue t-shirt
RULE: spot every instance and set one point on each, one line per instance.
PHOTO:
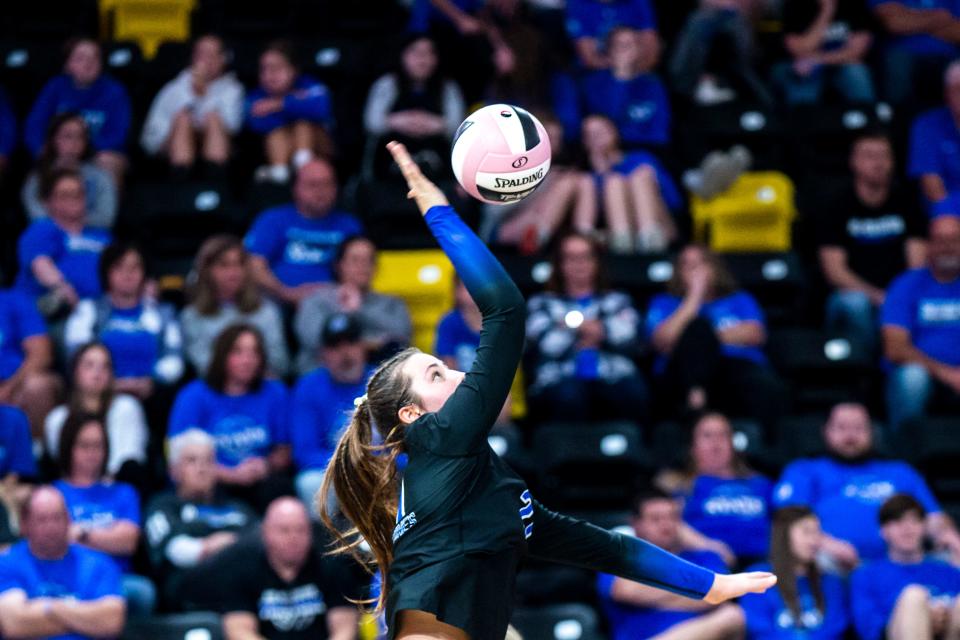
(16, 446)
(629, 622)
(668, 188)
(935, 148)
(320, 410)
(133, 346)
(423, 14)
(82, 574)
(875, 587)
(244, 426)
(928, 310)
(19, 320)
(102, 505)
(76, 256)
(768, 617)
(638, 107)
(734, 510)
(921, 43)
(308, 100)
(722, 313)
(104, 105)
(8, 126)
(457, 340)
(596, 18)
(847, 497)
(299, 249)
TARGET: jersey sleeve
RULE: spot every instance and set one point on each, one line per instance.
(661, 307)
(310, 103)
(460, 427)
(128, 503)
(898, 306)
(795, 487)
(186, 412)
(104, 579)
(923, 140)
(29, 321)
(161, 525)
(565, 540)
(40, 239)
(265, 238)
(20, 446)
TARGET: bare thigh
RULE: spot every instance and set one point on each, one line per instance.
(413, 624)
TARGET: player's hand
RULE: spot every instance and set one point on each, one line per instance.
(422, 191)
(727, 587)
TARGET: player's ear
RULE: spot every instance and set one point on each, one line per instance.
(409, 413)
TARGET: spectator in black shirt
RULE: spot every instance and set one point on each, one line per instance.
(192, 523)
(283, 586)
(866, 237)
(828, 41)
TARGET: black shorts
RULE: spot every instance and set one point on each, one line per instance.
(474, 592)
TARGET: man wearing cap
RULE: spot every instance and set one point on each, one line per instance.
(323, 400)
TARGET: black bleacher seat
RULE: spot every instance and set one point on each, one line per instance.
(670, 443)
(124, 61)
(800, 436)
(558, 622)
(932, 444)
(24, 68)
(719, 127)
(541, 584)
(244, 18)
(777, 281)
(569, 456)
(824, 369)
(49, 22)
(185, 626)
(820, 136)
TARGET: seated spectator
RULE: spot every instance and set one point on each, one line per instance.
(921, 329)
(193, 522)
(104, 515)
(94, 393)
(635, 610)
(26, 356)
(628, 92)
(17, 465)
(8, 131)
(292, 111)
(83, 88)
(58, 255)
(292, 246)
(68, 146)
(415, 102)
(591, 22)
(196, 113)
(805, 603)
(309, 594)
(323, 400)
(828, 42)
(710, 335)
(906, 595)
(714, 53)
(222, 293)
(847, 486)
(636, 193)
(867, 236)
(935, 143)
(245, 414)
(723, 499)
(384, 319)
(582, 339)
(920, 36)
(143, 336)
(52, 588)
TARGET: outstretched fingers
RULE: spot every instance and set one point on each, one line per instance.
(411, 172)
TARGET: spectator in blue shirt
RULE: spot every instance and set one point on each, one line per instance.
(847, 486)
(293, 246)
(52, 588)
(935, 143)
(710, 335)
(292, 111)
(323, 400)
(143, 336)
(806, 604)
(58, 255)
(590, 22)
(920, 35)
(634, 610)
(84, 89)
(582, 339)
(723, 499)
(8, 131)
(906, 595)
(246, 415)
(26, 355)
(637, 193)
(921, 328)
(105, 515)
(16, 461)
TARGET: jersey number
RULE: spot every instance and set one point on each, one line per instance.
(526, 513)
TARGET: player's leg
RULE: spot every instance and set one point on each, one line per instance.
(910, 619)
(726, 622)
(421, 625)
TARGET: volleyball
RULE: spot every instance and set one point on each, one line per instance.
(501, 154)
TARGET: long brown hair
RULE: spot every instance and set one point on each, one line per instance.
(203, 293)
(740, 467)
(364, 474)
(724, 284)
(784, 562)
(75, 401)
(217, 371)
(68, 439)
(557, 283)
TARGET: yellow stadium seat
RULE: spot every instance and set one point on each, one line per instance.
(755, 214)
(149, 22)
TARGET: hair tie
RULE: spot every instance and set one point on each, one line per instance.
(359, 400)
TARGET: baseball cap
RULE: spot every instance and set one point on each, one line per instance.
(340, 328)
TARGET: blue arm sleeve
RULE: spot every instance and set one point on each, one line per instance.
(565, 540)
(461, 426)
(312, 103)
